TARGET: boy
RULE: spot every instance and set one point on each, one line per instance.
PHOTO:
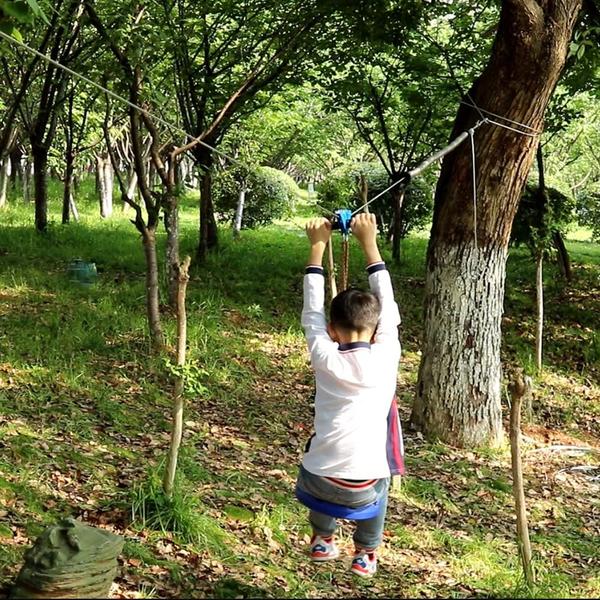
(355, 358)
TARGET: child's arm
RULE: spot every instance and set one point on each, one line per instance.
(364, 229)
(313, 311)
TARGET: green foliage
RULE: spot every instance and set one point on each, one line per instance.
(192, 376)
(588, 212)
(181, 514)
(18, 12)
(340, 190)
(270, 195)
(535, 222)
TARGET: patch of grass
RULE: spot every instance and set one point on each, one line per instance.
(182, 514)
(85, 408)
(425, 494)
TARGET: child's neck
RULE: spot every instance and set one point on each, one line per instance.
(350, 337)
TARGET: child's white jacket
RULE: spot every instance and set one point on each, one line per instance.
(355, 385)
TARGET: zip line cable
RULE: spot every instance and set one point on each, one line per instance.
(405, 179)
(457, 141)
(482, 111)
(116, 96)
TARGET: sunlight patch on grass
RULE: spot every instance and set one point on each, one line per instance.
(424, 494)
(483, 564)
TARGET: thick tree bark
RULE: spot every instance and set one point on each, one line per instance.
(40, 183)
(458, 393)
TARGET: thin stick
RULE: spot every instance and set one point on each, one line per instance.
(331, 270)
(518, 389)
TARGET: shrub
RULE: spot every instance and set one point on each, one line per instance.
(557, 216)
(270, 195)
(340, 190)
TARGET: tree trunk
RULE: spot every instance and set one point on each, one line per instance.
(108, 187)
(458, 393)
(3, 180)
(208, 225)
(68, 187)
(239, 213)
(73, 208)
(363, 191)
(539, 299)
(398, 200)
(564, 262)
(104, 174)
(177, 427)
(152, 290)
(40, 183)
(172, 227)
(131, 187)
(27, 179)
(16, 168)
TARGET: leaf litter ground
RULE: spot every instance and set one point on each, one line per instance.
(84, 426)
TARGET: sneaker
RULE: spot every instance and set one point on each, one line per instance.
(322, 549)
(364, 564)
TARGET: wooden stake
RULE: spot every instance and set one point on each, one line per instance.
(177, 427)
(518, 388)
(331, 270)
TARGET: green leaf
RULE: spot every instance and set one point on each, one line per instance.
(10, 29)
(17, 9)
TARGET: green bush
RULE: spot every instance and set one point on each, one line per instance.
(340, 190)
(588, 213)
(271, 195)
(530, 220)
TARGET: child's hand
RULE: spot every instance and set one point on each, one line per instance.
(364, 229)
(318, 231)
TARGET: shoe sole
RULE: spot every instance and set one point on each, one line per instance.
(361, 574)
(325, 558)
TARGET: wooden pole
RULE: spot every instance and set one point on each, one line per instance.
(331, 270)
(177, 427)
(539, 299)
(518, 388)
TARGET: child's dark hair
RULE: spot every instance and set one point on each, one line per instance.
(355, 310)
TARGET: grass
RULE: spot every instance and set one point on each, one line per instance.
(85, 409)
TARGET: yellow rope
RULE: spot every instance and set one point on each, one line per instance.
(345, 263)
